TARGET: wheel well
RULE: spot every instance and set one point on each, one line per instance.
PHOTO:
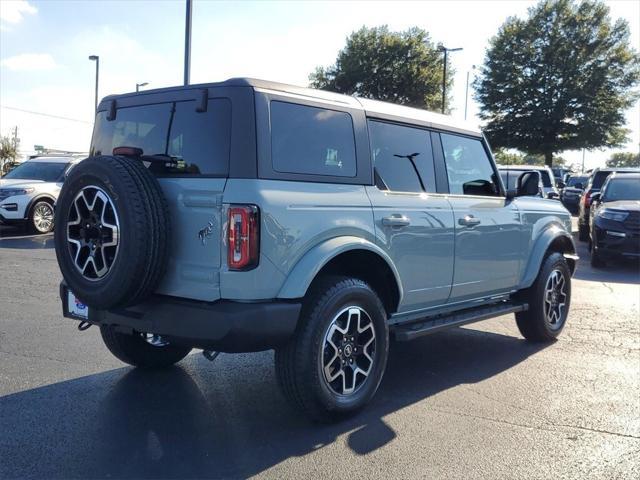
(370, 268)
(564, 245)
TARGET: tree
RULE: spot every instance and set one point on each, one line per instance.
(399, 67)
(624, 159)
(8, 151)
(505, 157)
(559, 80)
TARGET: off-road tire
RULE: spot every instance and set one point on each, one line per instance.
(533, 323)
(299, 364)
(136, 351)
(144, 231)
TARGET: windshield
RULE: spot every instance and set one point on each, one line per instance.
(622, 189)
(573, 181)
(45, 171)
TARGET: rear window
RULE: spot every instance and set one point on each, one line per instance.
(546, 178)
(312, 141)
(598, 179)
(198, 143)
(510, 178)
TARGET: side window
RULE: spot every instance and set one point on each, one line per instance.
(398, 152)
(312, 141)
(468, 167)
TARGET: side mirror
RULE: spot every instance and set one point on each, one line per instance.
(528, 184)
(552, 195)
(595, 198)
(560, 184)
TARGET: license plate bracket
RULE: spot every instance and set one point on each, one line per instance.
(72, 307)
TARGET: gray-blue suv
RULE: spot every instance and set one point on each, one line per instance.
(249, 215)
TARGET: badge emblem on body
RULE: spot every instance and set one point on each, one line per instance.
(206, 232)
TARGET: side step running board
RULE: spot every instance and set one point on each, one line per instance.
(435, 324)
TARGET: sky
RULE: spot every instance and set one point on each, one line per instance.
(44, 49)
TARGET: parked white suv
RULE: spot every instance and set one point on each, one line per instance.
(29, 191)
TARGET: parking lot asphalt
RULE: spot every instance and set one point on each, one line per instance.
(474, 402)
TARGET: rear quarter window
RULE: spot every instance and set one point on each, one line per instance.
(311, 140)
(198, 142)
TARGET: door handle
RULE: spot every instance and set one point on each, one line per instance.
(469, 221)
(396, 221)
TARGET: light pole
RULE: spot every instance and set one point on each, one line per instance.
(187, 43)
(446, 50)
(96, 58)
(143, 84)
(466, 92)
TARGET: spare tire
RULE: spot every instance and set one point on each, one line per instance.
(112, 231)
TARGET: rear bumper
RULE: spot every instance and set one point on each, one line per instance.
(223, 326)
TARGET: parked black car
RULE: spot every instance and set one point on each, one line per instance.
(596, 180)
(615, 219)
(572, 191)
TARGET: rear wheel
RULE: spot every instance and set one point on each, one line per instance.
(41, 217)
(549, 299)
(141, 349)
(334, 363)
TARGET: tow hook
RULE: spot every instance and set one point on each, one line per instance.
(210, 355)
(82, 326)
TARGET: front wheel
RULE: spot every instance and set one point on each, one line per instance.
(549, 299)
(141, 349)
(41, 217)
(334, 363)
(596, 257)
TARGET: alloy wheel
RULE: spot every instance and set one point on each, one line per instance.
(555, 299)
(93, 232)
(349, 350)
(43, 217)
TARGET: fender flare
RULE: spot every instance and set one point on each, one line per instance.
(32, 202)
(306, 269)
(550, 234)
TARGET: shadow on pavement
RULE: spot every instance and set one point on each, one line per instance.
(202, 420)
(19, 238)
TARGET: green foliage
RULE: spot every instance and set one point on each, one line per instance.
(8, 151)
(506, 157)
(559, 80)
(399, 67)
(624, 159)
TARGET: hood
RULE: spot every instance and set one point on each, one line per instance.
(626, 205)
(18, 183)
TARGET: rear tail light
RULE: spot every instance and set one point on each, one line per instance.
(586, 199)
(243, 237)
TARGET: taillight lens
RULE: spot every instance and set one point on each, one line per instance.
(586, 200)
(243, 237)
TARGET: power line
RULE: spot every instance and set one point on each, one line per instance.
(46, 114)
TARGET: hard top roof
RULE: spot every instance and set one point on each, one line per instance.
(373, 108)
(523, 167)
(57, 158)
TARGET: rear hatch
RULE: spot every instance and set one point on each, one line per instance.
(196, 147)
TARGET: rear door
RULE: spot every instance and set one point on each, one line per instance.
(487, 225)
(198, 143)
(412, 226)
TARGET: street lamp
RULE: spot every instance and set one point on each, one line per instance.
(96, 58)
(446, 50)
(466, 92)
(143, 84)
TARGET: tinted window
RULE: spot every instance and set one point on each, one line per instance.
(573, 181)
(598, 179)
(197, 142)
(47, 172)
(311, 140)
(469, 168)
(622, 189)
(398, 154)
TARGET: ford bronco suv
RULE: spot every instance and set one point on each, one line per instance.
(248, 215)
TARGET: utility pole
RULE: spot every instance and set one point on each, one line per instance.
(187, 43)
(466, 92)
(143, 84)
(446, 50)
(582, 160)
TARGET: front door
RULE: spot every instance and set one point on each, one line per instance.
(412, 226)
(487, 225)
